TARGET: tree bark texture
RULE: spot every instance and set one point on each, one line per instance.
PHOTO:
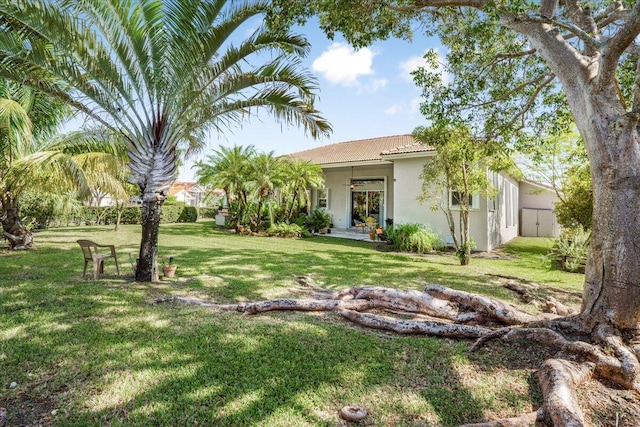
(13, 229)
(147, 268)
(612, 282)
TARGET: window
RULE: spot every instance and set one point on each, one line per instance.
(322, 198)
(495, 182)
(511, 205)
(455, 197)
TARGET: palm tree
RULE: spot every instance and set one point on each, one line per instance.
(228, 169)
(299, 177)
(265, 175)
(32, 157)
(161, 73)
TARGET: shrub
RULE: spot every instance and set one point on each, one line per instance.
(413, 237)
(170, 213)
(283, 229)
(36, 210)
(207, 212)
(571, 249)
(188, 214)
(317, 220)
(131, 215)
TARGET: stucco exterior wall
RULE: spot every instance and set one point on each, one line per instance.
(536, 211)
(408, 209)
(337, 181)
(489, 222)
(492, 222)
(536, 197)
(502, 215)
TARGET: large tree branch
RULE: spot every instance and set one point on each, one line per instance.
(615, 12)
(540, 79)
(587, 38)
(570, 66)
(548, 8)
(636, 89)
(436, 4)
(531, 100)
(582, 17)
(616, 46)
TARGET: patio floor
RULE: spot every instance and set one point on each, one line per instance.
(352, 234)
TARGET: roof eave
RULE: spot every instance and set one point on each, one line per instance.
(413, 155)
(355, 163)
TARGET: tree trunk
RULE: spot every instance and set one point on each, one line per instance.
(13, 229)
(147, 269)
(119, 208)
(611, 291)
(612, 281)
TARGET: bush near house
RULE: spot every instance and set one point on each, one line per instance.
(413, 237)
(570, 249)
(286, 230)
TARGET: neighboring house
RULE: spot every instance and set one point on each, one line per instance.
(536, 210)
(190, 193)
(380, 178)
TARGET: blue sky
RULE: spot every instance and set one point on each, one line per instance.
(363, 94)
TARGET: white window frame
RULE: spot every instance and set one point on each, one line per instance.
(319, 199)
(475, 201)
(494, 203)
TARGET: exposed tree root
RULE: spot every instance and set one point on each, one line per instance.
(537, 286)
(491, 308)
(548, 304)
(581, 354)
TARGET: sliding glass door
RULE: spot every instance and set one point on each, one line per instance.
(366, 204)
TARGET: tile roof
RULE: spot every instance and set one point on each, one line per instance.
(361, 150)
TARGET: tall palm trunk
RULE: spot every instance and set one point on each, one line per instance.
(147, 269)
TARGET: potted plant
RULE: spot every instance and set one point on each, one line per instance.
(169, 267)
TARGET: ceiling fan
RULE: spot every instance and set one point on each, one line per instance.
(351, 184)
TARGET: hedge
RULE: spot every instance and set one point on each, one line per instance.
(104, 215)
(188, 214)
(207, 212)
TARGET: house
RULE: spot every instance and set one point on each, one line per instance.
(190, 193)
(536, 210)
(380, 178)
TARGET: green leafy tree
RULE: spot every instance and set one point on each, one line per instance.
(561, 162)
(575, 207)
(161, 73)
(524, 69)
(458, 169)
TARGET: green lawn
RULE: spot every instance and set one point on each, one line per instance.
(98, 353)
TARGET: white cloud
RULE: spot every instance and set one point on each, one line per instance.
(343, 66)
(376, 84)
(415, 62)
(394, 109)
(410, 108)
